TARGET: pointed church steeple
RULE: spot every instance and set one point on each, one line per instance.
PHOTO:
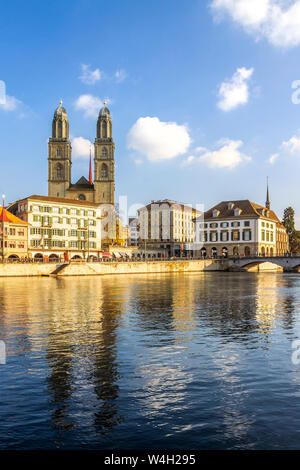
(90, 170)
(268, 204)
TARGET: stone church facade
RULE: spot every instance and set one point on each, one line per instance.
(102, 190)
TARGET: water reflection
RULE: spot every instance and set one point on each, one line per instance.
(185, 356)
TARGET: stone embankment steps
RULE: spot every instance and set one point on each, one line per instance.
(57, 270)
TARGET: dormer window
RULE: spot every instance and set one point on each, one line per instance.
(230, 206)
(237, 212)
(216, 213)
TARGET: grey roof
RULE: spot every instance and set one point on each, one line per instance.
(60, 111)
(83, 180)
(104, 112)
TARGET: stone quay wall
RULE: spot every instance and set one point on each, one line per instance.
(110, 268)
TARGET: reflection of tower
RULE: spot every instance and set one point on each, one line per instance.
(104, 161)
(105, 371)
(59, 155)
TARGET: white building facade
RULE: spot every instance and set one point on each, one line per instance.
(133, 231)
(238, 228)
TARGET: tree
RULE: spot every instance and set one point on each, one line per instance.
(289, 223)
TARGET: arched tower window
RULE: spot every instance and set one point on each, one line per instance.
(104, 171)
(59, 172)
(59, 129)
(58, 152)
(81, 197)
(104, 152)
(104, 129)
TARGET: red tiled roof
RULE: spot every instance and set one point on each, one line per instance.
(11, 218)
(248, 209)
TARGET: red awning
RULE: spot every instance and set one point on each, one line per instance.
(106, 255)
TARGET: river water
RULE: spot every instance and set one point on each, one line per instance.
(182, 361)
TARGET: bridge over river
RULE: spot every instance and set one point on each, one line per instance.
(288, 263)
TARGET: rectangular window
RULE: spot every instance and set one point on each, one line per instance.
(263, 236)
(247, 235)
(247, 224)
(224, 236)
(213, 236)
(235, 235)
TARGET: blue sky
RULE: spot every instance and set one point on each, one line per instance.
(200, 94)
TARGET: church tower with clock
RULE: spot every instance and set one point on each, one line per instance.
(104, 162)
(102, 190)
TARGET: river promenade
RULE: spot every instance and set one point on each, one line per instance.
(105, 268)
(83, 268)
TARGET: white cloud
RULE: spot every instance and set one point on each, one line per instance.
(276, 20)
(235, 92)
(81, 148)
(88, 76)
(10, 103)
(292, 145)
(273, 158)
(289, 147)
(158, 140)
(120, 75)
(227, 156)
(89, 104)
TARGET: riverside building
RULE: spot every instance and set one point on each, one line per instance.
(237, 228)
(167, 228)
(60, 228)
(14, 237)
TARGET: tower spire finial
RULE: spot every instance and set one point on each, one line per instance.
(268, 204)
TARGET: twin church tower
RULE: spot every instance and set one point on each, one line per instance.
(100, 191)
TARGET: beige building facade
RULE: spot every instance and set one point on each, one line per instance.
(60, 228)
(167, 227)
(14, 237)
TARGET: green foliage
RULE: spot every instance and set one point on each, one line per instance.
(289, 223)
